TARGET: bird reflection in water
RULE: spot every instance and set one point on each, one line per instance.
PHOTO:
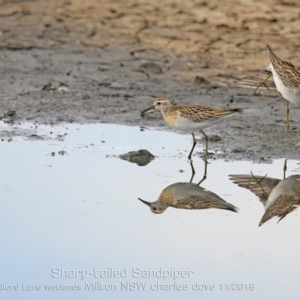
(279, 197)
(187, 195)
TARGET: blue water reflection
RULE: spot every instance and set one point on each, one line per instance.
(79, 213)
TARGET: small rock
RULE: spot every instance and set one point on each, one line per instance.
(35, 137)
(150, 67)
(62, 152)
(199, 80)
(214, 138)
(141, 157)
(238, 150)
(62, 87)
(9, 117)
(49, 87)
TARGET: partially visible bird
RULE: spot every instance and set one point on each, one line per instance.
(279, 197)
(286, 79)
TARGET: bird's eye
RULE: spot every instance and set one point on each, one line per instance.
(154, 208)
(158, 103)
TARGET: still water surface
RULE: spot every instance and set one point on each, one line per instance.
(72, 226)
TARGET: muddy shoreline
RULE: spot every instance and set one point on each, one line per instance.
(70, 65)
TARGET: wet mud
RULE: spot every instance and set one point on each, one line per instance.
(105, 61)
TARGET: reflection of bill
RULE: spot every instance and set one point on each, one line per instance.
(279, 197)
(186, 195)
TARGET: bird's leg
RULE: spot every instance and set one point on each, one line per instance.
(194, 144)
(284, 168)
(259, 184)
(193, 171)
(206, 144)
(287, 124)
(205, 172)
(263, 83)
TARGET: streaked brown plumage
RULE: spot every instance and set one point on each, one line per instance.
(287, 81)
(287, 73)
(285, 77)
(279, 197)
(185, 195)
(190, 118)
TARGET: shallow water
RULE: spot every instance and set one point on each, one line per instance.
(65, 218)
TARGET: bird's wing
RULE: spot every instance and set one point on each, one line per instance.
(261, 186)
(281, 207)
(263, 80)
(197, 113)
(287, 72)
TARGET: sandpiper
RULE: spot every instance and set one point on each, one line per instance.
(279, 197)
(186, 195)
(283, 76)
(190, 118)
(287, 80)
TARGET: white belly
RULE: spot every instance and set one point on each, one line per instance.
(290, 94)
(274, 195)
(287, 187)
(186, 125)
